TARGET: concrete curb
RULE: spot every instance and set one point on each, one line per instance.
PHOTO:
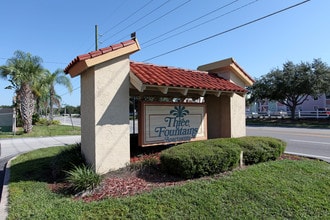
(4, 197)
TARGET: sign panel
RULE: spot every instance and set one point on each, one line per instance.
(166, 123)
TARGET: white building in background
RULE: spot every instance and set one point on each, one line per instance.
(311, 104)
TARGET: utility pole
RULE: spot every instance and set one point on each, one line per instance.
(96, 38)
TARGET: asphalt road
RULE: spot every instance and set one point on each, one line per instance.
(301, 141)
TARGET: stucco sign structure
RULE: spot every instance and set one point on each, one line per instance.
(107, 80)
(166, 123)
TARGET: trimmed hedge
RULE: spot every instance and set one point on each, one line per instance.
(260, 149)
(197, 159)
(202, 158)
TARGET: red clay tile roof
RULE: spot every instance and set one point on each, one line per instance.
(98, 53)
(150, 74)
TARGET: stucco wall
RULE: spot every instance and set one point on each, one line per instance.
(105, 119)
(87, 109)
(226, 116)
(213, 110)
(218, 116)
(234, 79)
(238, 123)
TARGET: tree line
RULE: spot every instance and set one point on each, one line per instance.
(34, 86)
(292, 84)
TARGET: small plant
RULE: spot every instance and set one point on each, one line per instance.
(45, 121)
(83, 178)
(55, 122)
(42, 121)
(66, 160)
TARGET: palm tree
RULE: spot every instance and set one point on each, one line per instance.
(56, 78)
(23, 70)
(41, 93)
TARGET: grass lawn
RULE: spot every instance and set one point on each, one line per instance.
(43, 131)
(274, 190)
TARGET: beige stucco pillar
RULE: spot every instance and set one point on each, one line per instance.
(218, 116)
(231, 108)
(104, 111)
(226, 116)
(237, 114)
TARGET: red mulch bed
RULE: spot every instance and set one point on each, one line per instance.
(126, 182)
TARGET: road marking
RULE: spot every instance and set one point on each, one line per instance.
(308, 155)
(312, 142)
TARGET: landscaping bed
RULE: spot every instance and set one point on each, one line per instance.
(127, 182)
(168, 167)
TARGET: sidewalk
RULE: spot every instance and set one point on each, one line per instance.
(10, 148)
(14, 146)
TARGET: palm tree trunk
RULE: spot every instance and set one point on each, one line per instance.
(27, 105)
(51, 104)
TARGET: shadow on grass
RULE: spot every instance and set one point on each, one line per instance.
(33, 170)
(47, 169)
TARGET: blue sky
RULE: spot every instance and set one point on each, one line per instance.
(58, 31)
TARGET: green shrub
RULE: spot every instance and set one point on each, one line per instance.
(45, 121)
(35, 118)
(42, 121)
(260, 149)
(197, 159)
(82, 178)
(56, 122)
(232, 150)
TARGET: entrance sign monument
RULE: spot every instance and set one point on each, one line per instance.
(166, 123)
(108, 78)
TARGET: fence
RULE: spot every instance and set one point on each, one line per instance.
(312, 114)
(282, 114)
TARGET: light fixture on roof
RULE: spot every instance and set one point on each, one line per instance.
(133, 35)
